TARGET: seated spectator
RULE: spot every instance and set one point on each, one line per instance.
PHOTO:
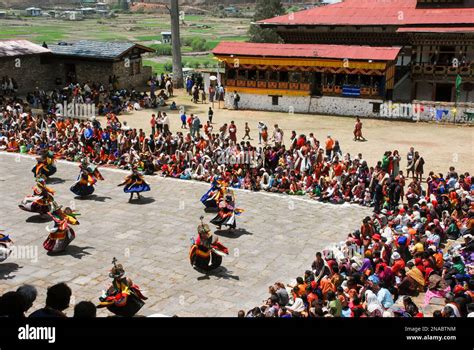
(85, 309)
(57, 300)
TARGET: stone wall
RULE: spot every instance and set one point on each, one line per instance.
(49, 72)
(128, 75)
(357, 107)
(305, 104)
(28, 71)
(85, 71)
(94, 72)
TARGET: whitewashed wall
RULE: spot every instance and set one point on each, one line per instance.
(353, 107)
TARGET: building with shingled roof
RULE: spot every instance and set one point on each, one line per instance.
(53, 67)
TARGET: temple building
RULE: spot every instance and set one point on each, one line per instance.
(365, 51)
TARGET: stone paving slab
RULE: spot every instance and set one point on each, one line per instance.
(279, 239)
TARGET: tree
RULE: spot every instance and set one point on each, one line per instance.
(168, 67)
(124, 5)
(199, 44)
(265, 9)
(176, 45)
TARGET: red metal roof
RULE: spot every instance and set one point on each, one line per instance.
(436, 30)
(375, 12)
(353, 52)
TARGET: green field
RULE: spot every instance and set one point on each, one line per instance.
(141, 28)
(207, 61)
(156, 66)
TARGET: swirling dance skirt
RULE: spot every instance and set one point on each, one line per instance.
(134, 188)
(5, 251)
(82, 190)
(54, 245)
(208, 199)
(222, 219)
(133, 305)
(50, 172)
(31, 204)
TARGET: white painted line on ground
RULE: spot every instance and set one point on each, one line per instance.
(200, 183)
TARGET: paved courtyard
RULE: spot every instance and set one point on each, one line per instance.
(277, 240)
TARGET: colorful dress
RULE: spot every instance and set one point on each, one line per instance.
(60, 233)
(46, 166)
(135, 183)
(6, 245)
(41, 200)
(212, 197)
(123, 298)
(227, 213)
(86, 180)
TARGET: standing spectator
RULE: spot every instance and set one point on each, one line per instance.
(190, 122)
(277, 135)
(169, 88)
(336, 151)
(196, 127)
(208, 129)
(189, 85)
(153, 124)
(411, 162)
(247, 132)
(419, 166)
(233, 132)
(329, 147)
(159, 123)
(195, 94)
(265, 135)
(183, 120)
(210, 114)
(236, 98)
(166, 124)
(212, 94)
(220, 95)
(396, 163)
(260, 127)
